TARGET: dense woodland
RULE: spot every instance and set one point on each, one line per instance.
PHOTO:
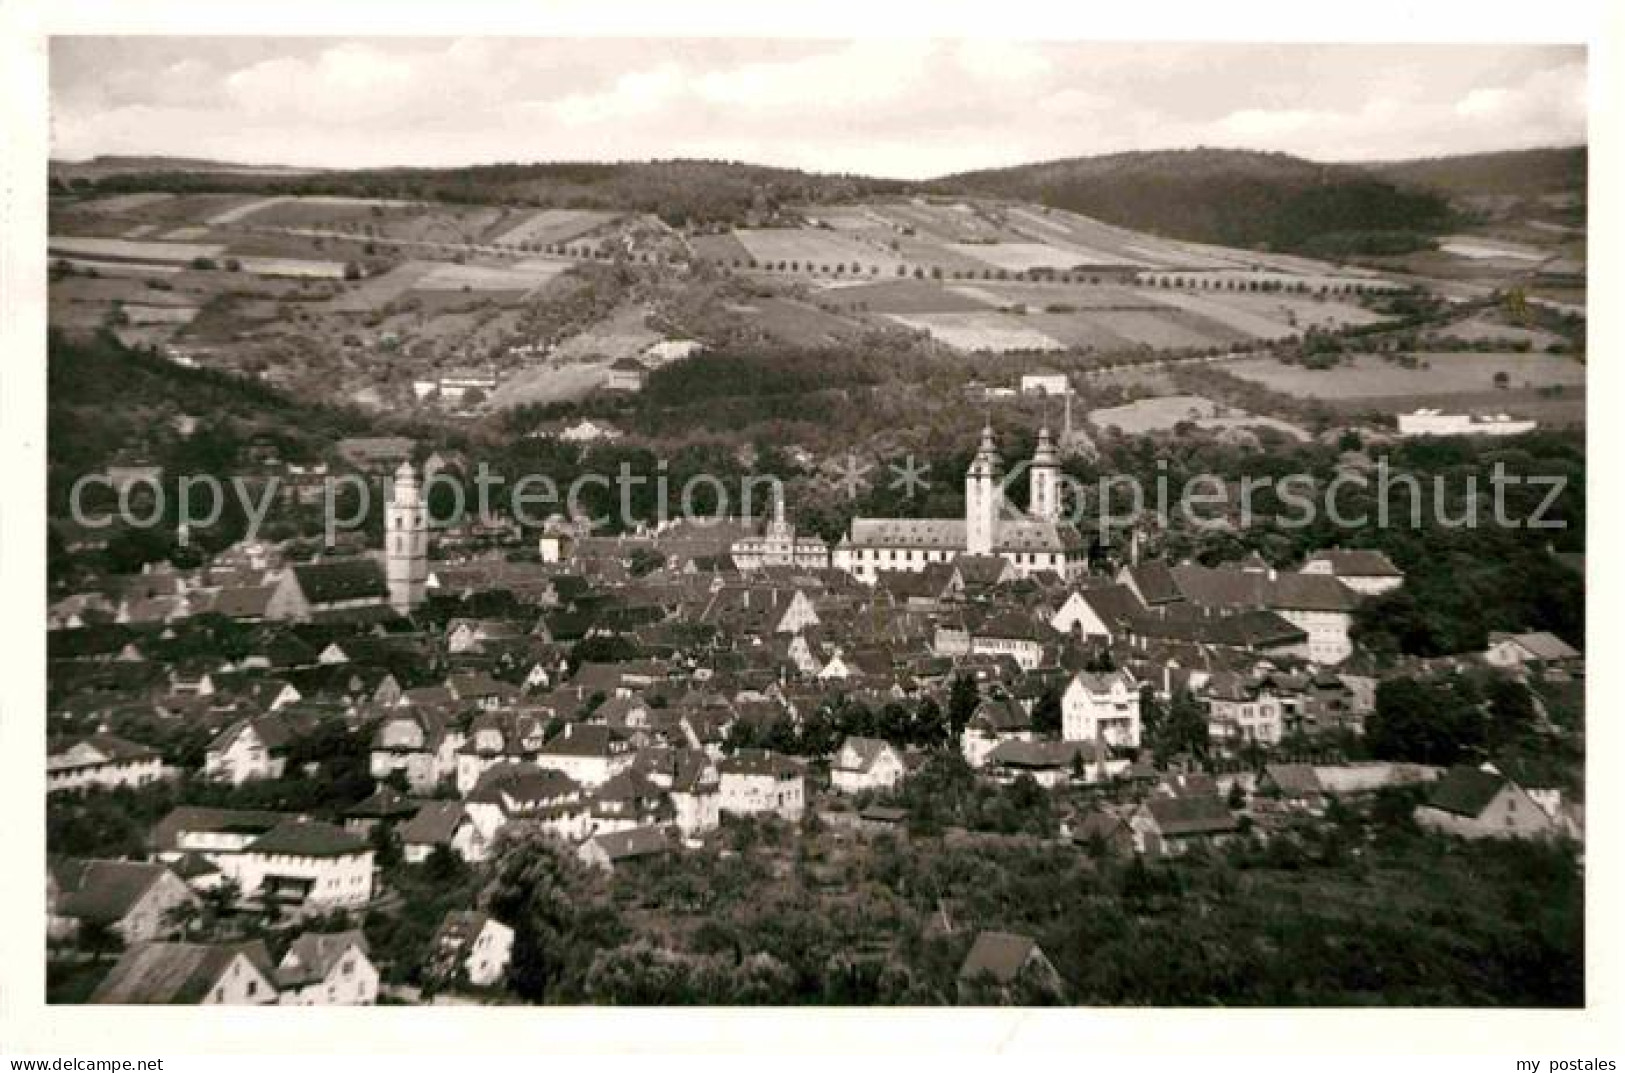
(1229, 197)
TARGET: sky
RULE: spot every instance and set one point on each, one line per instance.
(896, 108)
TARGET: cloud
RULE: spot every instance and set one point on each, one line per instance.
(640, 93)
(906, 108)
(1483, 102)
(1265, 123)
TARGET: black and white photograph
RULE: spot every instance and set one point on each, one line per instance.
(807, 521)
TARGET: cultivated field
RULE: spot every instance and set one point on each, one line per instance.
(304, 211)
(118, 249)
(119, 204)
(1438, 377)
(292, 267)
(993, 332)
(623, 334)
(720, 249)
(900, 296)
(1093, 316)
(549, 383)
(1483, 327)
(798, 322)
(1019, 256)
(1234, 315)
(817, 247)
(552, 226)
(1477, 248)
(375, 292)
(524, 276)
(1163, 414)
(1150, 415)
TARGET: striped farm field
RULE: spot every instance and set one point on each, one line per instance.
(118, 268)
(159, 314)
(1163, 330)
(723, 249)
(995, 332)
(286, 211)
(118, 249)
(524, 276)
(945, 223)
(1250, 322)
(812, 246)
(903, 296)
(555, 225)
(292, 267)
(122, 203)
(1059, 297)
(1019, 256)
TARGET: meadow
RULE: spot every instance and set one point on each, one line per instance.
(1435, 378)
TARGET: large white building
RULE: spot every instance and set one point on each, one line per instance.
(757, 782)
(1032, 542)
(780, 545)
(1427, 422)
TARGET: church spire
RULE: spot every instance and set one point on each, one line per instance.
(982, 497)
(406, 542)
(1045, 497)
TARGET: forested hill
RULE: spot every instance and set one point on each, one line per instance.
(1229, 197)
(1224, 196)
(679, 191)
(107, 401)
(1521, 173)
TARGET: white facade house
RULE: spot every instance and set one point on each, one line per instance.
(1078, 617)
(1011, 634)
(133, 898)
(328, 970)
(248, 749)
(1367, 572)
(475, 945)
(1045, 383)
(758, 782)
(1511, 651)
(1482, 803)
(590, 754)
(194, 974)
(995, 721)
(1102, 707)
(866, 764)
(442, 824)
(418, 744)
(304, 863)
(693, 784)
(101, 761)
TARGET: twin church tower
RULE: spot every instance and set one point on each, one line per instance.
(984, 496)
(1032, 542)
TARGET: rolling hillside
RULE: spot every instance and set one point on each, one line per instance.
(1223, 196)
(679, 191)
(1521, 173)
(108, 401)
(1227, 197)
